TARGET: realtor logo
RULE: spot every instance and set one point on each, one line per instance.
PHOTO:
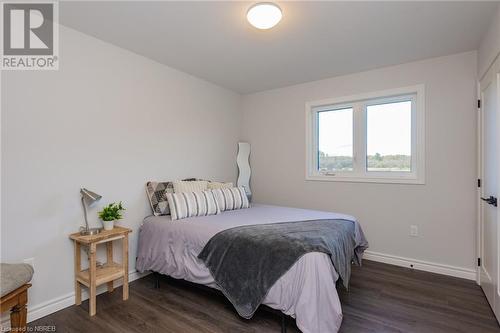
(30, 35)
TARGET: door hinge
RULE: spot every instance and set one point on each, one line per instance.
(478, 103)
(479, 262)
(479, 183)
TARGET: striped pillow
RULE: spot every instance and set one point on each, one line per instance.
(231, 198)
(188, 204)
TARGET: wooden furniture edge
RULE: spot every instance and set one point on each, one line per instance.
(6, 298)
(16, 302)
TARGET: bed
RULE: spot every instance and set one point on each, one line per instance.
(306, 292)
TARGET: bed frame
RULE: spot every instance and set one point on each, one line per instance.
(157, 276)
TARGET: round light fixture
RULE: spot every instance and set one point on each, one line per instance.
(264, 15)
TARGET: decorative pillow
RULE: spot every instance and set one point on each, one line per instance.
(214, 185)
(231, 198)
(188, 204)
(190, 186)
(156, 192)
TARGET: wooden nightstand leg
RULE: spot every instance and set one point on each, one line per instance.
(78, 293)
(125, 267)
(109, 255)
(78, 268)
(92, 278)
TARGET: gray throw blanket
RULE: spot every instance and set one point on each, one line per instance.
(246, 261)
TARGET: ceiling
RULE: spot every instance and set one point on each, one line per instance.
(315, 40)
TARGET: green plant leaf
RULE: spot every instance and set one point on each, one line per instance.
(111, 212)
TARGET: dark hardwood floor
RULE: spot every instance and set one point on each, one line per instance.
(382, 298)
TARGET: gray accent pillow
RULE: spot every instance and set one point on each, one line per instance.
(157, 195)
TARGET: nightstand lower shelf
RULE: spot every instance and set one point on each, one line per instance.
(105, 273)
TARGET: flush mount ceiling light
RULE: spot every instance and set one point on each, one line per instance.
(264, 15)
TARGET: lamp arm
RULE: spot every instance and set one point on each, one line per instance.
(85, 214)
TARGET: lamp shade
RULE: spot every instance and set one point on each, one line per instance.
(89, 197)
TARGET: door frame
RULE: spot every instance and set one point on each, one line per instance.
(494, 72)
(479, 222)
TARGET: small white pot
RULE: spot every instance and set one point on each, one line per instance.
(108, 225)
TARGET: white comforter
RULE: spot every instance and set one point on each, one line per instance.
(306, 292)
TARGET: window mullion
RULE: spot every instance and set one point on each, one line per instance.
(363, 139)
(359, 139)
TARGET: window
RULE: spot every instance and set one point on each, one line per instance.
(377, 137)
(388, 136)
(335, 149)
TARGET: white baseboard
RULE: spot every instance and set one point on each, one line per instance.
(56, 304)
(421, 265)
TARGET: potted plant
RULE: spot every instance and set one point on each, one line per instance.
(111, 213)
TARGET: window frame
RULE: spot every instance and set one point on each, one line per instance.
(359, 104)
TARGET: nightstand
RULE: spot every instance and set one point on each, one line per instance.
(107, 273)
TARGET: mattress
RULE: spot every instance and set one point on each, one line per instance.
(306, 292)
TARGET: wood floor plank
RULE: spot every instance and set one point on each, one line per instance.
(382, 298)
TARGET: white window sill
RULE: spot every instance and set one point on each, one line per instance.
(359, 179)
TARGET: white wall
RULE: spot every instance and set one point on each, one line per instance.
(490, 45)
(108, 120)
(443, 208)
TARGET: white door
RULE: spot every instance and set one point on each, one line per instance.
(489, 229)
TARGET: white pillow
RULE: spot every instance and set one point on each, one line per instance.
(214, 185)
(188, 204)
(231, 198)
(194, 186)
